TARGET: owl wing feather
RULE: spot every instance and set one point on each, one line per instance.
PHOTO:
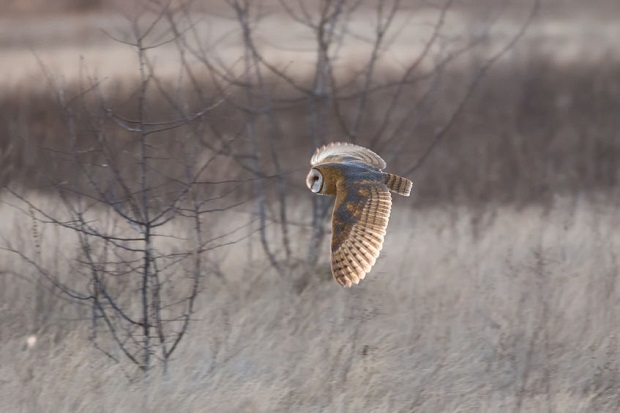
(359, 222)
(346, 152)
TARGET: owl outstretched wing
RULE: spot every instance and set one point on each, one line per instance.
(346, 152)
(359, 221)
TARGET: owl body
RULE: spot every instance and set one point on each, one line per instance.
(362, 208)
(334, 172)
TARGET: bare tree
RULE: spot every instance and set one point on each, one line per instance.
(141, 181)
(341, 100)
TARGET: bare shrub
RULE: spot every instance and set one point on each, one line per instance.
(131, 180)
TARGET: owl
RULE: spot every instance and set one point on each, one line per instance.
(362, 208)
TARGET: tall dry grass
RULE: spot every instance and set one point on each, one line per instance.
(467, 310)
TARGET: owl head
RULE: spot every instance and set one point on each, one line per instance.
(322, 180)
(314, 180)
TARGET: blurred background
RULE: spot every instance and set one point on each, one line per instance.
(159, 248)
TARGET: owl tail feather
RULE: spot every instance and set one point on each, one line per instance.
(398, 184)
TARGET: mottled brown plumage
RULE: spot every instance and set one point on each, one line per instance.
(362, 208)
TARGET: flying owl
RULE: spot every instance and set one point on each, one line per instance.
(362, 209)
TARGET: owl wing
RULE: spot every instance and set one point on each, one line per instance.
(342, 152)
(359, 221)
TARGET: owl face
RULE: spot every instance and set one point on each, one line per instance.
(314, 180)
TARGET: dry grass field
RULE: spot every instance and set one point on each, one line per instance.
(514, 310)
(497, 288)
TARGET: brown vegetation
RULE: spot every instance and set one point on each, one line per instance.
(531, 130)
